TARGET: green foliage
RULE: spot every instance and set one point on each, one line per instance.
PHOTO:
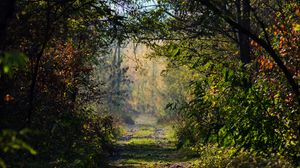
(10, 61)
(212, 155)
(62, 82)
(231, 112)
(11, 143)
(60, 90)
(228, 103)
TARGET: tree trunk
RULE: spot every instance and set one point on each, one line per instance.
(6, 12)
(36, 66)
(119, 70)
(243, 12)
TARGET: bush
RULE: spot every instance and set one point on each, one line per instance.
(211, 155)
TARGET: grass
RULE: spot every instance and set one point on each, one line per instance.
(144, 132)
(148, 146)
(142, 141)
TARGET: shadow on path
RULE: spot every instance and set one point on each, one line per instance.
(147, 146)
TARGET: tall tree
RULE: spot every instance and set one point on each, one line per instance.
(243, 15)
(7, 8)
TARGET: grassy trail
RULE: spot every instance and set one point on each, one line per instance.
(149, 145)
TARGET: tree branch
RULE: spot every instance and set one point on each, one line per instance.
(261, 42)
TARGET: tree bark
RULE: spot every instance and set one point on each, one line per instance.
(6, 12)
(244, 21)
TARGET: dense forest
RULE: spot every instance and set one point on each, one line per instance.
(149, 83)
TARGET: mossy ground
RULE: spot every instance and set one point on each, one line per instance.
(149, 145)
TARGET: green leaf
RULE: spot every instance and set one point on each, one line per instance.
(30, 149)
(207, 65)
(175, 52)
(6, 69)
(225, 74)
(12, 60)
(2, 163)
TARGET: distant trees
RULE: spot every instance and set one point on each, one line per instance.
(146, 91)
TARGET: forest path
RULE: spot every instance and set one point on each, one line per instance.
(145, 146)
